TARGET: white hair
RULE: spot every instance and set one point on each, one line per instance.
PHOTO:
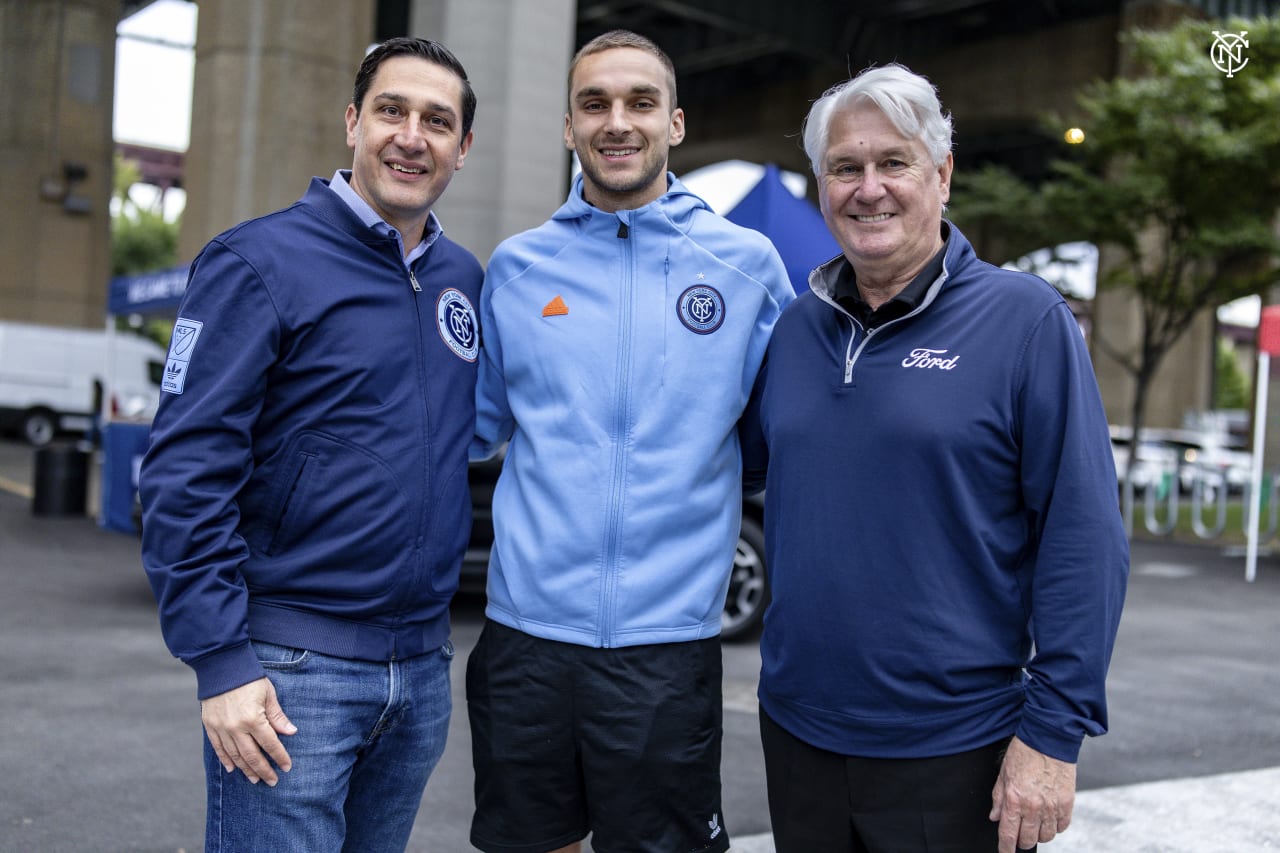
(908, 100)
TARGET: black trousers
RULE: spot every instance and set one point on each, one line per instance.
(824, 801)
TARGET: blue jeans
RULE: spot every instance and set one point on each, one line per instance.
(369, 735)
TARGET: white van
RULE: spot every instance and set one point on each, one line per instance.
(51, 378)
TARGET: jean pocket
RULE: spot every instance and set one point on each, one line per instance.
(274, 656)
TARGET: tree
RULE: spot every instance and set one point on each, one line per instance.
(141, 239)
(1231, 385)
(1179, 175)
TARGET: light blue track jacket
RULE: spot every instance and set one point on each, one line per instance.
(619, 353)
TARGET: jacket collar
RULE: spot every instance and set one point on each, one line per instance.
(822, 281)
(677, 204)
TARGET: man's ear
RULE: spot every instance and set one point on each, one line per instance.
(463, 149)
(944, 177)
(352, 117)
(677, 126)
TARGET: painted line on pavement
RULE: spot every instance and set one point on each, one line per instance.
(22, 490)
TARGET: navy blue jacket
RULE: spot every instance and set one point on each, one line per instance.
(946, 553)
(306, 482)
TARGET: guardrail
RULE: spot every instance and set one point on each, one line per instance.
(1209, 495)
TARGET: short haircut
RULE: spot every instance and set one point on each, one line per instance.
(625, 38)
(907, 99)
(432, 51)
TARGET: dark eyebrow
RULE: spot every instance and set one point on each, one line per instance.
(432, 106)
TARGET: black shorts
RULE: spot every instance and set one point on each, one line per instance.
(820, 800)
(620, 743)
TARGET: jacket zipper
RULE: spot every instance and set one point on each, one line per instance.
(621, 410)
(850, 354)
(420, 347)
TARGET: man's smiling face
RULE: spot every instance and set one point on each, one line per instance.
(407, 139)
(622, 126)
(881, 194)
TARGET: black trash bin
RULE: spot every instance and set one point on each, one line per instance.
(61, 480)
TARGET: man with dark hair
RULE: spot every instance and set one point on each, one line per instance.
(622, 338)
(305, 494)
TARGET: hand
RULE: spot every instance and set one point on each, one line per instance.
(1033, 797)
(244, 722)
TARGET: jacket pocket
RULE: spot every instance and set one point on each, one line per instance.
(291, 500)
(338, 524)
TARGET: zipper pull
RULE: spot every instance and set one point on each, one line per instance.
(413, 279)
(622, 230)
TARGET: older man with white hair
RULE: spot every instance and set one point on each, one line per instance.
(946, 553)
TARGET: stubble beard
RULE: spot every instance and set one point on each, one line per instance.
(621, 184)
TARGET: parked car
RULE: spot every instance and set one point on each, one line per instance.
(748, 584)
(1154, 461)
(1185, 456)
(1212, 458)
(52, 378)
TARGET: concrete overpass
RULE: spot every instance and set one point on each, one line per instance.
(273, 78)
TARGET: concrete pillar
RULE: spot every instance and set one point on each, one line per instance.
(57, 67)
(517, 55)
(272, 81)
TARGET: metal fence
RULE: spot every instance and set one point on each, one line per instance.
(1209, 496)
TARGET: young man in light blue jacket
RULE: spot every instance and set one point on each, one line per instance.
(622, 339)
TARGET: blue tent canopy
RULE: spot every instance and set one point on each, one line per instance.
(124, 443)
(793, 224)
(148, 293)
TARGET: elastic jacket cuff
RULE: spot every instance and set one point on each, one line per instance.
(225, 670)
(1053, 742)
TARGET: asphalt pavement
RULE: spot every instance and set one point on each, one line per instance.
(100, 740)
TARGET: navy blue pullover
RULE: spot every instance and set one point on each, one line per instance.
(946, 553)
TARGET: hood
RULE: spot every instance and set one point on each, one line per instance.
(678, 204)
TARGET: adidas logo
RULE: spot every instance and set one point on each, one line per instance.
(555, 308)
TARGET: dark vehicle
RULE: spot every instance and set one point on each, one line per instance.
(748, 586)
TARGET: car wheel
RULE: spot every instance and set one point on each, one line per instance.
(748, 585)
(38, 427)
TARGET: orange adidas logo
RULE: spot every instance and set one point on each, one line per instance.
(555, 308)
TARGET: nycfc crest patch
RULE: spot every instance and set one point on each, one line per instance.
(701, 309)
(456, 320)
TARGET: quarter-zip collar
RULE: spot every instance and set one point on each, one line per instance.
(835, 279)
